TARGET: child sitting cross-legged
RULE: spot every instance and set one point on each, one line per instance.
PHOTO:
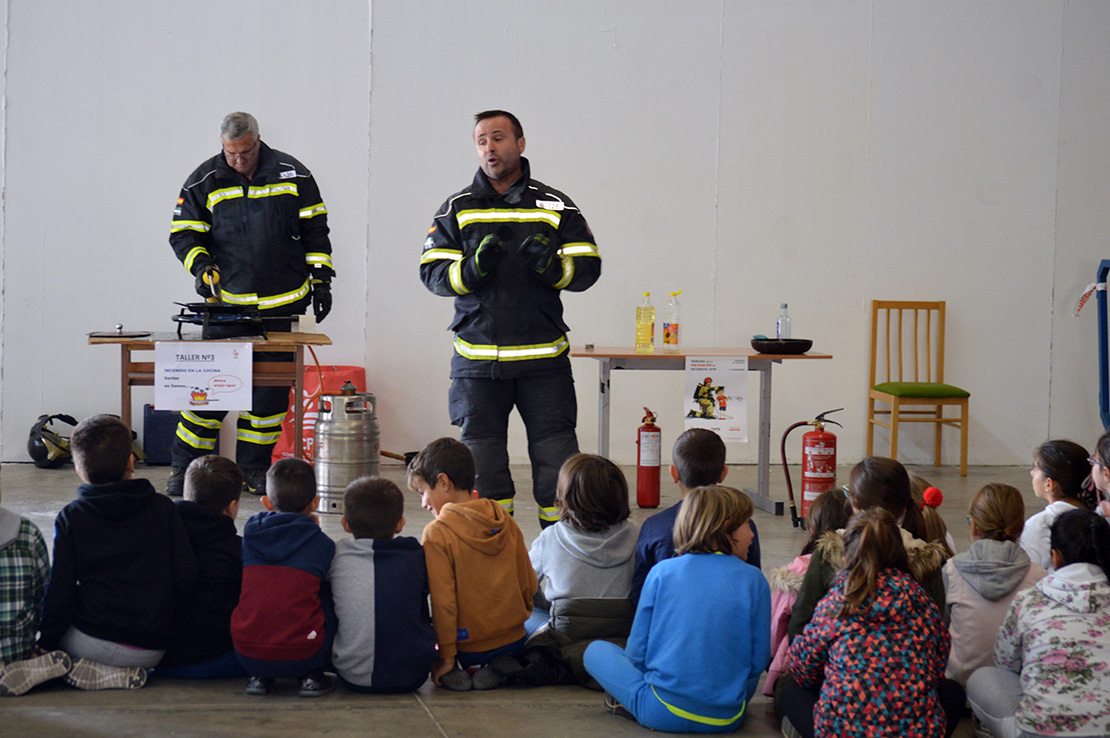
(285, 622)
(385, 642)
(24, 572)
(701, 636)
(584, 563)
(201, 646)
(123, 565)
(479, 575)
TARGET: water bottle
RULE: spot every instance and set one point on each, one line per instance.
(782, 328)
(645, 326)
(672, 319)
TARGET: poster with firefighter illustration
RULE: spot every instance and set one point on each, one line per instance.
(716, 389)
(201, 375)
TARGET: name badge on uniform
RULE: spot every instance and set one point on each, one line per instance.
(549, 204)
(288, 174)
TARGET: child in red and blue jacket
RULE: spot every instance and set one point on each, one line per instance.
(285, 622)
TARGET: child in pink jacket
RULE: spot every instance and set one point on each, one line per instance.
(830, 511)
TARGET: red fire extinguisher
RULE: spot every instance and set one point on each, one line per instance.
(818, 463)
(649, 447)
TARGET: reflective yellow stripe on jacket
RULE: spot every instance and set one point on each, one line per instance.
(267, 301)
(502, 215)
(511, 353)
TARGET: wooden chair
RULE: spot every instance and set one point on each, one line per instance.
(909, 338)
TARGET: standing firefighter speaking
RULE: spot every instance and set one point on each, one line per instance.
(505, 248)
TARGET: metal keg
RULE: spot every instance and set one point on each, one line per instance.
(348, 444)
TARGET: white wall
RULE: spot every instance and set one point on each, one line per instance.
(818, 153)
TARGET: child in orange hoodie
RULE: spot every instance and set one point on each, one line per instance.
(479, 575)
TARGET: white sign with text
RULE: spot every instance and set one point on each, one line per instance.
(199, 375)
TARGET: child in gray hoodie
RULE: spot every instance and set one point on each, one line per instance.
(584, 564)
(981, 583)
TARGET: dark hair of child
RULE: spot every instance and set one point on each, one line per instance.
(592, 493)
(699, 456)
(1102, 449)
(1065, 462)
(829, 512)
(1082, 537)
(291, 485)
(213, 482)
(444, 456)
(936, 530)
(372, 507)
(872, 542)
(101, 446)
(998, 512)
(881, 482)
(708, 518)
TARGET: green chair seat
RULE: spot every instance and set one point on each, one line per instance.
(921, 389)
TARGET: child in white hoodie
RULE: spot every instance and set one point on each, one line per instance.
(981, 583)
(1053, 651)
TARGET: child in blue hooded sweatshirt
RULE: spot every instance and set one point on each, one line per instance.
(285, 622)
(702, 633)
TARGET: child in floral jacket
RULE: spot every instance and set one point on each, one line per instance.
(1053, 650)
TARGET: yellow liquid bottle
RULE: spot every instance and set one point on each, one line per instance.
(645, 326)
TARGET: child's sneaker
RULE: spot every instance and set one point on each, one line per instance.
(19, 676)
(617, 708)
(258, 686)
(316, 684)
(457, 680)
(92, 675)
(486, 678)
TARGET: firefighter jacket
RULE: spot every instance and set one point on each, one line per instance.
(511, 324)
(268, 236)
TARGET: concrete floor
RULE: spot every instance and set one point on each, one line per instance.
(219, 708)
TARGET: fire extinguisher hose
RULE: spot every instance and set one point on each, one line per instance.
(786, 470)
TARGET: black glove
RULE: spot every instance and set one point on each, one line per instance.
(540, 251)
(321, 300)
(207, 274)
(478, 268)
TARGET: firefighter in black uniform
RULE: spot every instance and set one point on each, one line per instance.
(251, 221)
(505, 248)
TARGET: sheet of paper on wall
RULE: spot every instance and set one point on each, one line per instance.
(200, 375)
(716, 390)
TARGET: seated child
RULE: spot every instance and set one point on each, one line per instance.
(697, 460)
(285, 622)
(1052, 654)
(876, 646)
(875, 481)
(201, 647)
(981, 584)
(701, 636)
(385, 641)
(1059, 471)
(829, 512)
(584, 565)
(479, 575)
(24, 572)
(123, 566)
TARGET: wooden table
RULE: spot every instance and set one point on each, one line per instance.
(266, 373)
(624, 357)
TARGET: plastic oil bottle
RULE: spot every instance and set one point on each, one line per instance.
(672, 321)
(645, 326)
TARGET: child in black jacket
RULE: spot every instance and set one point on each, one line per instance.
(122, 564)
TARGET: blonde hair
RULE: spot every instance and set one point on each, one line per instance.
(998, 512)
(708, 516)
